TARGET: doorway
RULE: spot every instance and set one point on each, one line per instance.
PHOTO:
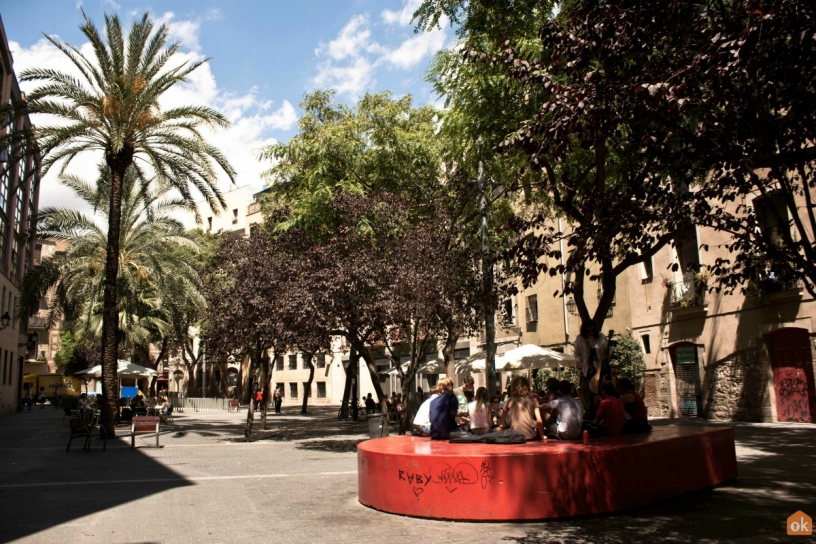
(687, 379)
(792, 364)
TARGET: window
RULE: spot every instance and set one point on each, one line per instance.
(305, 362)
(232, 377)
(293, 390)
(321, 390)
(772, 214)
(279, 362)
(209, 224)
(281, 386)
(235, 216)
(532, 308)
(507, 310)
(647, 269)
(306, 391)
(647, 343)
(5, 367)
(293, 363)
(3, 302)
(463, 353)
(320, 361)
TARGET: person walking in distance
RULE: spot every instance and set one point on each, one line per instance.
(278, 397)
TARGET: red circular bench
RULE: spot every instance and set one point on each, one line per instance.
(538, 480)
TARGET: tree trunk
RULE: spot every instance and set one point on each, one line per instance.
(347, 387)
(110, 312)
(375, 378)
(250, 410)
(307, 358)
(454, 331)
(264, 385)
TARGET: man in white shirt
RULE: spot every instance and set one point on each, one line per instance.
(422, 420)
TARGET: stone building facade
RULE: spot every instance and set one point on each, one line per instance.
(19, 200)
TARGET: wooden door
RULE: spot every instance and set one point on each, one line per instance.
(792, 364)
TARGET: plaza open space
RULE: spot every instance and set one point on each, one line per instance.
(297, 482)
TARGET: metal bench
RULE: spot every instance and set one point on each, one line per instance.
(234, 403)
(144, 425)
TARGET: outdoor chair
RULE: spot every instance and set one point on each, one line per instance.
(167, 417)
(84, 428)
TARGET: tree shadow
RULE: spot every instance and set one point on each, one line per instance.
(332, 446)
(777, 477)
(43, 486)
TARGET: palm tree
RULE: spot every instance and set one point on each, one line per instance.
(157, 264)
(113, 108)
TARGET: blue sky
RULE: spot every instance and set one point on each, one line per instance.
(265, 56)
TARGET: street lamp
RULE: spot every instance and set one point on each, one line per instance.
(572, 306)
(5, 321)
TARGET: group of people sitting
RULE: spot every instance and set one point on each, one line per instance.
(558, 414)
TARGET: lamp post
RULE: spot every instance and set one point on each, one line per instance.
(5, 321)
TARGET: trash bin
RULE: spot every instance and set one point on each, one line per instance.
(377, 426)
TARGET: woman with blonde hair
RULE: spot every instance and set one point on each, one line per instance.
(522, 408)
(444, 410)
(479, 412)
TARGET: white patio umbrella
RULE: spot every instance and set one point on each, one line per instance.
(531, 356)
(474, 363)
(125, 368)
(434, 366)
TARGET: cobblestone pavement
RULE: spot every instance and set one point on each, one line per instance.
(297, 482)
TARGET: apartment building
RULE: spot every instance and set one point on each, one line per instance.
(19, 197)
(741, 356)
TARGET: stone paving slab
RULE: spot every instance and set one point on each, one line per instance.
(297, 482)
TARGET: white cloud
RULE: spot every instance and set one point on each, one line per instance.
(349, 62)
(402, 17)
(184, 31)
(415, 49)
(253, 116)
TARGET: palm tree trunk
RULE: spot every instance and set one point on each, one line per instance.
(110, 311)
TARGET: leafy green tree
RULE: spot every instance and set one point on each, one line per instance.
(627, 359)
(381, 163)
(593, 157)
(74, 356)
(112, 107)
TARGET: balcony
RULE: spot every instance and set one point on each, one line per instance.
(255, 207)
(690, 292)
(37, 322)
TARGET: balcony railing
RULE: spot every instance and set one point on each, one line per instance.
(255, 207)
(689, 293)
(37, 322)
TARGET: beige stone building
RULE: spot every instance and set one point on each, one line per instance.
(734, 357)
(19, 198)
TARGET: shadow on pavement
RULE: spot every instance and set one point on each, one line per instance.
(42, 486)
(777, 477)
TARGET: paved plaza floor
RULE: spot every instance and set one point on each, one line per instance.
(297, 482)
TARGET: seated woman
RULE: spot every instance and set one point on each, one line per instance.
(443, 412)
(636, 412)
(522, 409)
(479, 413)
